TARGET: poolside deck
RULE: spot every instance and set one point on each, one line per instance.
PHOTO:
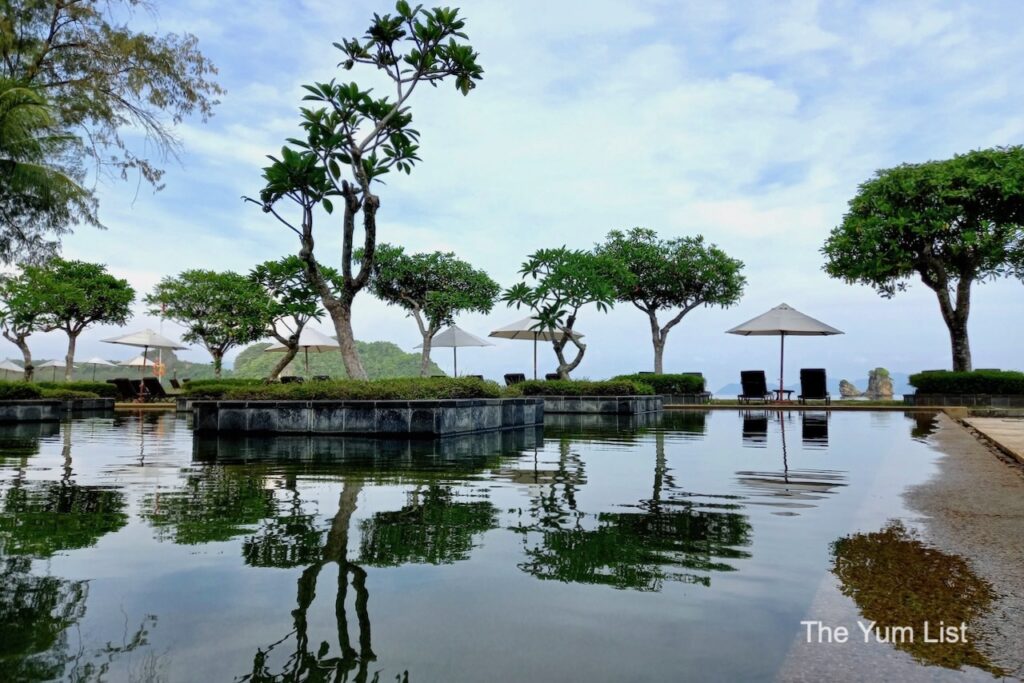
(1007, 433)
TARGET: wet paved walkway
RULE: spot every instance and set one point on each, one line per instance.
(1008, 432)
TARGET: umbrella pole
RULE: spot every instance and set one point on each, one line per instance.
(455, 359)
(306, 348)
(782, 359)
(94, 373)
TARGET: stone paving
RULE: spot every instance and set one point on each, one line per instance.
(1007, 432)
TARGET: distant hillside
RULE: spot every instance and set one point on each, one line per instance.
(381, 359)
(900, 385)
(175, 367)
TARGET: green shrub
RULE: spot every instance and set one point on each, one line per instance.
(98, 388)
(976, 382)
(562, 387)
(66, 394)
(17, 391)
(397, 389)
(217, 388)
(668, 384)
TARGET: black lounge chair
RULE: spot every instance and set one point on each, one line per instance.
(704, 396)
(292, 379)
(153, 388)
(125, 390)
(321, 378)
(755, 386)
(551, 376)
(813, 386)
(514, 378)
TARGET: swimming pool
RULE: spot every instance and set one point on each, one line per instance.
(684, 546)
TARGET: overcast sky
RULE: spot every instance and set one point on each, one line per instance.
(749, 123)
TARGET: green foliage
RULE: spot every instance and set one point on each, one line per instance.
(682, 272)
(381, 360)
(46, 517)
(402, 389)
(96, 388)
(437, 285)
(564, 281)
(999, 382)
(17, 391)
(563, 387)
(21, 313)
(41, 197)
(668, 384)
(106, 80)
(218, 310)
(434, 527)
(76, 294)
(291, 298)
(943, 220)
(67, 394)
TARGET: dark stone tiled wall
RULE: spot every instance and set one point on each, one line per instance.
(969, 400)
(602, 405)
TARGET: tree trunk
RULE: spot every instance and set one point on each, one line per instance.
(565, 367)
(218, 361)
(425, 355)
(288, 357)
(26, 355)
(342, 318)
(69, 360)
(659, 335)
(955, 316)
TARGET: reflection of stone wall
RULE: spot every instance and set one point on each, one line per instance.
(383, 418)
(309, 448)
(608, 405)
(30, 411)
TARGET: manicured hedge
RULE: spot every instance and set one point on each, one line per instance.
(97, 388)
(397, 389)
(669, 384)
(67, 394)
(18, 391)
(217, 388)
(561, 387)
(999, 382)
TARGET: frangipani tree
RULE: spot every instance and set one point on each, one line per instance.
(292, 302)
(218, 310)
(564, 281)
(352, 138)
(951, 223)
(679, 274)
(433, 288)
(21, 313)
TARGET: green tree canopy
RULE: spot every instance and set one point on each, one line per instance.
(681, 273)
(352, 138)
(564, 282)
(433, 288)
(75, 295)
(106, 80)
(951, 223)
(292, 302)
(40, 195)
(21, 314)
(218, 310)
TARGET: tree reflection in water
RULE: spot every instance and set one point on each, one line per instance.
(897, 581)
(672, 538)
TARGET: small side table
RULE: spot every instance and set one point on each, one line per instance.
(782, 394)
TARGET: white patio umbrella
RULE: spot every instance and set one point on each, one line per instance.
(783, 321)
(95, 362)
(147, 339)
(9, 367)
(309, 340)
(52, 364)
(527, 329)
(140, 361)
(455, 337)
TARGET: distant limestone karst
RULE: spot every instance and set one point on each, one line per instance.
(880, 386)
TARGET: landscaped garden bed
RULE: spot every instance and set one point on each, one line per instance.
(611, 397)
(393, 407)
(45, 402)
(988, 388)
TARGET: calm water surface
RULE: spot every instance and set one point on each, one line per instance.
(686, 546)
